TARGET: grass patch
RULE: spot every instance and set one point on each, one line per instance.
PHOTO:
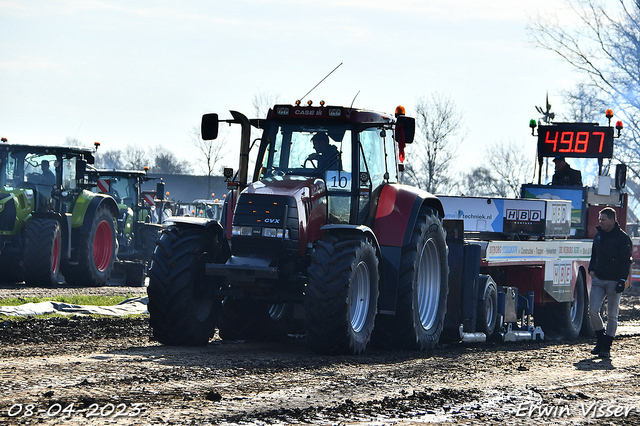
(75, 299)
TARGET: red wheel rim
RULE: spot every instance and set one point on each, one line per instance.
(55, 256)
(102, 246)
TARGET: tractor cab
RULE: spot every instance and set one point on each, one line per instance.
(42, 176)
(351, 151)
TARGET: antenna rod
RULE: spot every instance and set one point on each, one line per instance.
(321, 81)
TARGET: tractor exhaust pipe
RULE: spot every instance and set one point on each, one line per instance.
(245, 140)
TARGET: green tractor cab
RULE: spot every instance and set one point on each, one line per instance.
(138, 224)
(51, 227)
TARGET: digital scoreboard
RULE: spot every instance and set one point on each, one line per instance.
(582, 140)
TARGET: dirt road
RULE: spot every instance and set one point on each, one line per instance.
(108, 371)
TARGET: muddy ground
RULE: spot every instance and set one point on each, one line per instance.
(80, 370)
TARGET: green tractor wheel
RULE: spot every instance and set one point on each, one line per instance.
(97, 252)
(42, 252)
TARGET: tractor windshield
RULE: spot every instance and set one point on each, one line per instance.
(306, 150)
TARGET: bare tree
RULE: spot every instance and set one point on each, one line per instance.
(110, 159)
(262, 101)
(512, 166)
(135, 158)
(480, 182)
(504, 171)
(213, 151)
(605, 49)
(438, 124)
(166, 162)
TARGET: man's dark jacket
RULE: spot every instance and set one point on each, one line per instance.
(611, 254)
(568, 177)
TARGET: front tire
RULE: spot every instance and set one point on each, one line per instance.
(423, 288)
(182, 311)
(42, 250)
(342, 293)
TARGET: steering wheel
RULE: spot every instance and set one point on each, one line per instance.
(313, 161)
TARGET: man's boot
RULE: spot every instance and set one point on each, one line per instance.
(599, 335)
(606, 347)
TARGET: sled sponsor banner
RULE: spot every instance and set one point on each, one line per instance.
(479, 214)
(522, 217)
(538, 250)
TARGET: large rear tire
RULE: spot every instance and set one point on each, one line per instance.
(423, 288)
(182, 309)
(342, 294)
(42, 250)
(97, 252)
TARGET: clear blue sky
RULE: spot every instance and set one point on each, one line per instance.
(143, 72)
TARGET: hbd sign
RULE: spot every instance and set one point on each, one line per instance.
(523, 215)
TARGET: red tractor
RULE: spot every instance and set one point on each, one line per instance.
(322, 233)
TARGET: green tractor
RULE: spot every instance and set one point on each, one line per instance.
(51, 226)
(139, 225)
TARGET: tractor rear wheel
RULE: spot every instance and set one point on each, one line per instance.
(97, 252)
(182, 311)
(42, 250)
(342, 295)
(422, 289)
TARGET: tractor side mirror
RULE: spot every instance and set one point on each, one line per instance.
(81, 169)
(405, 126)
(209, 126)
(160, 190)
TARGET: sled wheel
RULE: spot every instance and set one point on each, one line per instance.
(487, 312)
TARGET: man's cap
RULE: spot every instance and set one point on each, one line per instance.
(558, 158)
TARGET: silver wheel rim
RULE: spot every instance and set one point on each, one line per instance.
(574, 305)
(276, 312)
(489, 309)
(428, 284)
(360, 296)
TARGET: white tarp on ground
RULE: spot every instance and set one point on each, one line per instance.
(137, 305)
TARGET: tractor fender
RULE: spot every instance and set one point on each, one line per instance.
(397, 211)
(360, 230)
(209, 225)
(90, 209)
(344, 228)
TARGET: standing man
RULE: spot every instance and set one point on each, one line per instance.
(564, 174)
(609, 270)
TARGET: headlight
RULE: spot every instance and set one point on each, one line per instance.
(244, 231)
(274, 233)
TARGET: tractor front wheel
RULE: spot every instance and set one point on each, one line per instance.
(42, 250)
(182, 311)
(342, 295)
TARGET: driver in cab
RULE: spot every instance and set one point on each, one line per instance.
(326, 155)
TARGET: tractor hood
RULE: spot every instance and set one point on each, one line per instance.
(298, 187)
